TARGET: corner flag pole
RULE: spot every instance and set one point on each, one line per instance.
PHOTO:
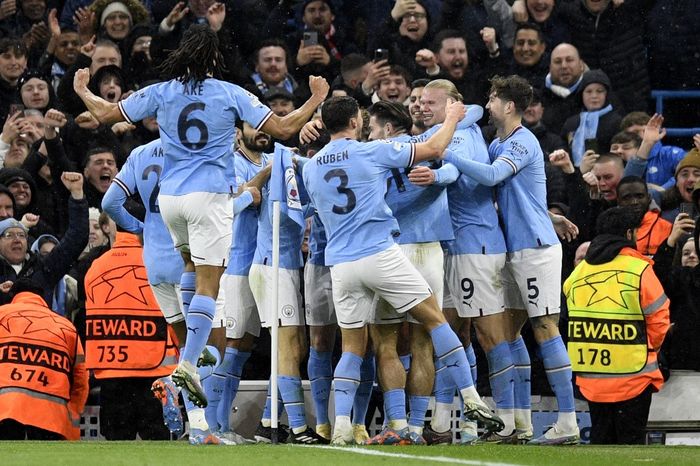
(274, 315)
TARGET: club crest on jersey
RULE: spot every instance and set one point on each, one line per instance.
(290, 179)
(288, 311)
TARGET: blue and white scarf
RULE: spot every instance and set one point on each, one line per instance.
(561, 91)
(587, 129)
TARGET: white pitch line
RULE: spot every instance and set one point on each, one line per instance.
(434, 459)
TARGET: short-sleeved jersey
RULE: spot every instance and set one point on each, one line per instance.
(471, 205)
(522, 198)
(142, 173)
(245, 224)
(196, 123)
(421, 211)
(291, 234)
(346, 181)
(317, 241)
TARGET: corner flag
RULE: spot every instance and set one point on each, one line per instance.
(283, 185)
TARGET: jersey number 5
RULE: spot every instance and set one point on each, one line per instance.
(184, 124)
(342, 189)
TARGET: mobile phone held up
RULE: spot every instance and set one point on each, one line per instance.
(15, 108)
(381, 54)
(689, 208)
(310, 38)
(591, 144)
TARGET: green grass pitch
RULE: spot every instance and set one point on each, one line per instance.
(180, 453)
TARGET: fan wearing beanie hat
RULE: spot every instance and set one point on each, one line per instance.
(688, 174)
(117, 17)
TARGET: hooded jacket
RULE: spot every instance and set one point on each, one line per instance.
(608, 125)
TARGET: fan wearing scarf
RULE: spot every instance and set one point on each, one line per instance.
(598, 119)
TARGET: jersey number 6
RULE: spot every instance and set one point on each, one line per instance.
(184, 124)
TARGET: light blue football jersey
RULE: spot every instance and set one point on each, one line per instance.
(245, 223)
(141, 173)
(196, 124)
(346, 181)
(291, 233)
(421, 212)
(317, 241)
(522, 197)
(471, 205)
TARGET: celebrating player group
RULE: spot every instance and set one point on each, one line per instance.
(413, 239)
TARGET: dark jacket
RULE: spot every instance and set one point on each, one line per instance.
(608, 124)
(613, 41)
(46, 271)
(682, 286)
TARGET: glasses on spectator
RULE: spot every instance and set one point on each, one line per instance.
(416, 16)
(14, 235)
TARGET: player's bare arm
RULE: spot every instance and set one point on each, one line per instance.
(105, 112)
(287, 126)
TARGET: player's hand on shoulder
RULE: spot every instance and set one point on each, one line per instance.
(310, 131)
(421, 176)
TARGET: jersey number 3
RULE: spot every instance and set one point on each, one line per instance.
(342, 189)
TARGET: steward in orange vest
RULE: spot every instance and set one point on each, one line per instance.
(128, 343)
(632, 192)
(43, 380)
(618, 318)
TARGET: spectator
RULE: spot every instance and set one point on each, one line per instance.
(280, 101)
(543, 13)
(65, 295)
(559, 96)
(598, 121)
(93, 55)
(100, 167)
(403, 34)
(529, 58)
(321, 58)
(36, 91)
(610, 36)
(354, 69)
(632, 192)
(396, 86)
(48, 406)
(676, 265)
(449, 59)
(618, 384)
(116, 18)
(626, 145)
(271, 68)
(29, 24)
(45, 272)
(661, 160)
(13, 62)
(7, 203)
(61, 52)
(687, 176)
(126, 363)
(24, 189)
(138, 63)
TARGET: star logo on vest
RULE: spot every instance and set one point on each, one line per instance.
(35, 325)
(609, 284)
(129, 281)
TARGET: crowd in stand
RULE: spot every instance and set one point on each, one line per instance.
(592, 65)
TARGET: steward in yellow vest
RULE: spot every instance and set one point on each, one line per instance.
(618, 317)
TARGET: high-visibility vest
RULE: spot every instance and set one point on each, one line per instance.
(607, 330)
(126, 334)
(43, 380)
